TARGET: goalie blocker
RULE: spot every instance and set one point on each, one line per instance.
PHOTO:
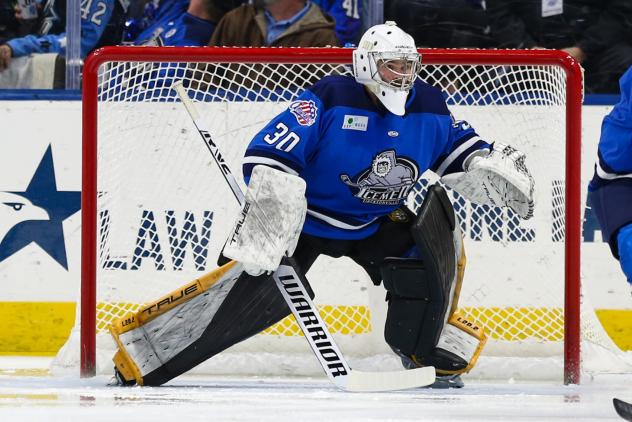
(184, 328)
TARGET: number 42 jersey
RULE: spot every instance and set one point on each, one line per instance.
(360, 161)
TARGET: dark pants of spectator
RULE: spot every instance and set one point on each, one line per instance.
(441, 23)
(604, 70)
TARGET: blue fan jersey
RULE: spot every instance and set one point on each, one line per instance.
(347, 14)
(95, 16)
(173, 26)
(359, 160)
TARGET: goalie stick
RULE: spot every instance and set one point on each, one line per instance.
(289, 281)
(623, 409)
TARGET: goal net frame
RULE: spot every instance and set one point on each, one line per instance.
(572, 221)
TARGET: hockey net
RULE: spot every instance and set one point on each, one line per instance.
(156, 211)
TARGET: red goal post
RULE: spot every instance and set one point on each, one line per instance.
(572, 183)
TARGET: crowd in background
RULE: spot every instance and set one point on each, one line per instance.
(597, 33)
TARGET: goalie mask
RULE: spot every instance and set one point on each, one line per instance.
(387, 63)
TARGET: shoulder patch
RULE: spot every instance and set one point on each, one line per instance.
(304, 111)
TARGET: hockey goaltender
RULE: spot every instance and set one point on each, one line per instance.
(329, 175)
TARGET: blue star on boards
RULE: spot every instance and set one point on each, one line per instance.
(36, 215)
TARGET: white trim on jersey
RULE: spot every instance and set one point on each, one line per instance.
(337, 223)
(610, 176)
(456, 153)
(251, 159)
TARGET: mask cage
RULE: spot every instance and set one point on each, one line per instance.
(405, 66)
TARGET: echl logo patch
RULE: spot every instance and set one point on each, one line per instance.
(304, 111)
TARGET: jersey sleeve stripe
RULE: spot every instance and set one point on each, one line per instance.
(459, 154)
(255, 152)
(254, 157)
(338, 223)
(251, 162)
(457, 165)
(608, 175)
(605, 172)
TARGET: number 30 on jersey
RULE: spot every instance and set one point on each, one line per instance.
(283, 138)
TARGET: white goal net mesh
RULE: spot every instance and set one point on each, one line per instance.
(164, 210)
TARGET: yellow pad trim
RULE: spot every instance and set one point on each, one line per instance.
(464, 323)
(126, 365)
(151, 310)
(473, 330)
(460, 273)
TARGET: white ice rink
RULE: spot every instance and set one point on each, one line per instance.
(28, 394)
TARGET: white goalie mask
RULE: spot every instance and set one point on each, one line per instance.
(387, 63)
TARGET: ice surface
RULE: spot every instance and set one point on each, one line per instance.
(27, 393)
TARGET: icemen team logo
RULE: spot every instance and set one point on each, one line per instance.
(386, 182)
(37, 214)
(304, 111)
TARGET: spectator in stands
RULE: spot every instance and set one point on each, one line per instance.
(176, 23)
(8, 22)
(597, 33)
(99, 21)
(346, 13)
(287, 23)
(11, 23)
(441, 23)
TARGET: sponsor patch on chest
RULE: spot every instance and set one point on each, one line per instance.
(355, 122)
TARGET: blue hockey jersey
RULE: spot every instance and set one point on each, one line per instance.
(610, 190)
(359, 160)
(615, 144)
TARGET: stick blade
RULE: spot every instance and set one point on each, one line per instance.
(358, 381)
(623, 409)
